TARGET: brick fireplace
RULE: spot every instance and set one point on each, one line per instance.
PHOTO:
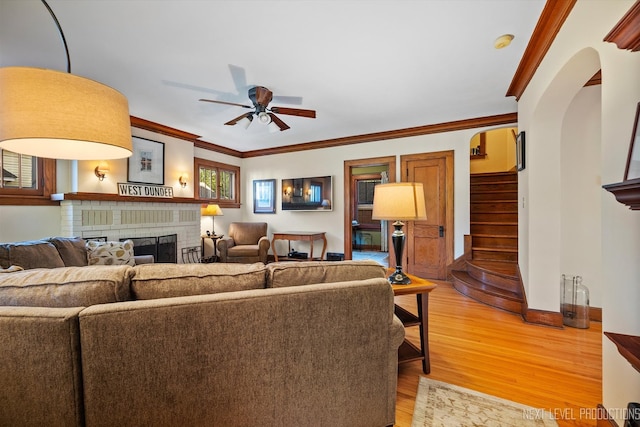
(118, 220)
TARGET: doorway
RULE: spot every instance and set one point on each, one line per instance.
(360, 176)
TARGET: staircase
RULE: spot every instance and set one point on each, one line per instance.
(490, 273)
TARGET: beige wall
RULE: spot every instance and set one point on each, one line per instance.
(554, 121)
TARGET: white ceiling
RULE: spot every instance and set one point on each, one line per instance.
(364, 66)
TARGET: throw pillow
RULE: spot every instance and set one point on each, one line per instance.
(110, 253)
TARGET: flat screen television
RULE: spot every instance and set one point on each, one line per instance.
(307, 194)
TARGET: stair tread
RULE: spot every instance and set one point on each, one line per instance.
(495, 201)
(506, 269)
(493, 191)
(505, 236)
(488, 174)
(506, 181)
(495, 222)
(495, 248)
(463, 276)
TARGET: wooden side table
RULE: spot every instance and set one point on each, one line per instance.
(408, 352)
(309, 236)
(214, 240)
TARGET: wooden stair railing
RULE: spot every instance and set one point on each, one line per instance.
(490, 272)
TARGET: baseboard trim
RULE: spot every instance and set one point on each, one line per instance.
(544, 318)
(603, 418)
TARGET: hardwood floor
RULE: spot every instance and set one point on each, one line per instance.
(495, 352)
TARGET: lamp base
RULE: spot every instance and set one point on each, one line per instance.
(399, 278)
(397, 237)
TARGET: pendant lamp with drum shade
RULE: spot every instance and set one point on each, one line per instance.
(57, 115)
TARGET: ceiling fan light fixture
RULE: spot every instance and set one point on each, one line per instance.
(264, 118)
(245, 121)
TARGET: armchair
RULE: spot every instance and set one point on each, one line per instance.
(247, 243)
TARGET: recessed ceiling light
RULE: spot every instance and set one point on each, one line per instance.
(503, 41)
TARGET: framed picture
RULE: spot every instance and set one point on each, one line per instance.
(632, 171)
(520, 150)
(264, 196)
(146, 164)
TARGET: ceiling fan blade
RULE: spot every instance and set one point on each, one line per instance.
(275, 119)
(294, 112)
(226, 103)
(237, 119)
(239, 77)
(293, 100)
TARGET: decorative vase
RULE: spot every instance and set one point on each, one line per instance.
(574, 302)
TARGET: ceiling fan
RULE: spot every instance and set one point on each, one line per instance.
(261, 97)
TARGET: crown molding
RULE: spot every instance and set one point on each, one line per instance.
(496, 120)
(626, 33)
(393, 134)
(553, 15)
(176, 133)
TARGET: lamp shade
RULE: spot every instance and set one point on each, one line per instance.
(399, 201)
(48, 113)
(211, 210)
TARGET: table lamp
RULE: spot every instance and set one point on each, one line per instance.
(399, 201)
(212, 211)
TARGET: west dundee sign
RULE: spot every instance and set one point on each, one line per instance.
(144, 190)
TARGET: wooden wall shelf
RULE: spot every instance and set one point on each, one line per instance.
(628, 346)
(626, 192)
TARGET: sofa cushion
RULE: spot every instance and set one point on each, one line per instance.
(41, 381)
(72, 250)
(30, 254)
(172, 280)
(66, 287)
(282, 274)
(110, 253)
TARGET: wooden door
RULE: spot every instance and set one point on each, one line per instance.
(429, 243)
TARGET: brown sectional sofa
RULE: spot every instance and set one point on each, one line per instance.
(283, 344)
(53, 252)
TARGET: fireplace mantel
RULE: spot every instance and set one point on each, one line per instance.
(109, 197)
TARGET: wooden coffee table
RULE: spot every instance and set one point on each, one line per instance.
(420, 287)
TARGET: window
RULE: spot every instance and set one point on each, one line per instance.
(18, 171)
(365, 191)
(25, 178)
(218, 182)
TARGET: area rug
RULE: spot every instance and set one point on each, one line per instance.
(441, 404)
